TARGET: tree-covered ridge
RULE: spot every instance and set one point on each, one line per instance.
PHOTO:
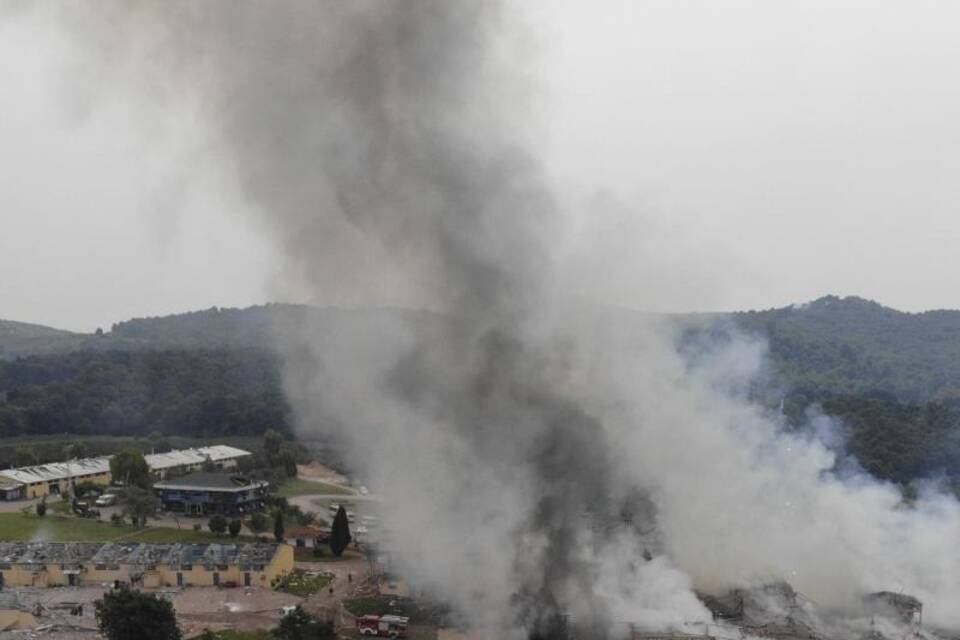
(892, 378)
(852, 345)
(184, 392)
(890, 439)
(23, 337)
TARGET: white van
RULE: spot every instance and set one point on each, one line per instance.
(106, 500)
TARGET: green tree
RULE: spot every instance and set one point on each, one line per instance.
(159, 444)
(278, 526)
(272, 441)
(288, 462)
(130, 468)
(123, 614)
(234, 528)
(300, 625)
(24, 457)
(258, 523)
(340, 534)
(76, 450)
(218, 524)
(42, 507)
(140, 504)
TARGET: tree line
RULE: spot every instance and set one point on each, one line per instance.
(195, 392)
(892, 440)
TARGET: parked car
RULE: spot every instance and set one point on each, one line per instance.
(106, 500)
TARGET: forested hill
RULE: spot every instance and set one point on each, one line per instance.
(206, 373)
(892, 377)
(840, 345)
(21, 337)
(851, 345)
(257, 327)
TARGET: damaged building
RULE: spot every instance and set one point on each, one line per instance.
(54, 564)
(773, 610)
(904, 607)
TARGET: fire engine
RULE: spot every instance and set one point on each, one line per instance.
(383, 626)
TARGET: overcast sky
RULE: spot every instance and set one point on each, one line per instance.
(714, 155)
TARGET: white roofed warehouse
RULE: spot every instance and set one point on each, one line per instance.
(222, 456)
(57, 478)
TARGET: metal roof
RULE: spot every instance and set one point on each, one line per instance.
(136, 553)
(189, 457)
(156, 462)
(58, 470)
(210, 482)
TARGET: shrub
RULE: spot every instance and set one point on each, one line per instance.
(258, 523)
(218, 524)
(234, 528)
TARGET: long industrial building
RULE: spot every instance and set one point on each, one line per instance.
(59, 477)
(58, 564)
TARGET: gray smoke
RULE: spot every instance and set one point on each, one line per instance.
(382, 144)
(541, 465)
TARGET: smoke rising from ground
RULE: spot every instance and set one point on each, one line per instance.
(532, 454)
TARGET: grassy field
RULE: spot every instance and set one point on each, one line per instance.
(161, 534)
(300, 487)
(19, 527)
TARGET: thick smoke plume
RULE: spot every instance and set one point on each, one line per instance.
(541, 464)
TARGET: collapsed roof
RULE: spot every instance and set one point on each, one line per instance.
(136, 554)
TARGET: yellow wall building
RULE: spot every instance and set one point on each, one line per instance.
(52, 564)
(58, 478)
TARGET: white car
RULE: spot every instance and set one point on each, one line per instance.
(106, 500)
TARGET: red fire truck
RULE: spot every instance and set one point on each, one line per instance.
(383, 626)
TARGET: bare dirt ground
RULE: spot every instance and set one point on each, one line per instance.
(240, 608)
(197, 608)
(321, 473)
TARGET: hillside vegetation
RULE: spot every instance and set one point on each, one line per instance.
(852, 345)
(199, 392)
(18, 338)
(892, 378)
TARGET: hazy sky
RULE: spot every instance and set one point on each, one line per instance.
(710, 155)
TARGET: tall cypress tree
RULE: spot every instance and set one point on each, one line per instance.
(278, 526)
(340, 535)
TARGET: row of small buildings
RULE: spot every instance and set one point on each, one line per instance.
(54, 564)
(59, 477)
